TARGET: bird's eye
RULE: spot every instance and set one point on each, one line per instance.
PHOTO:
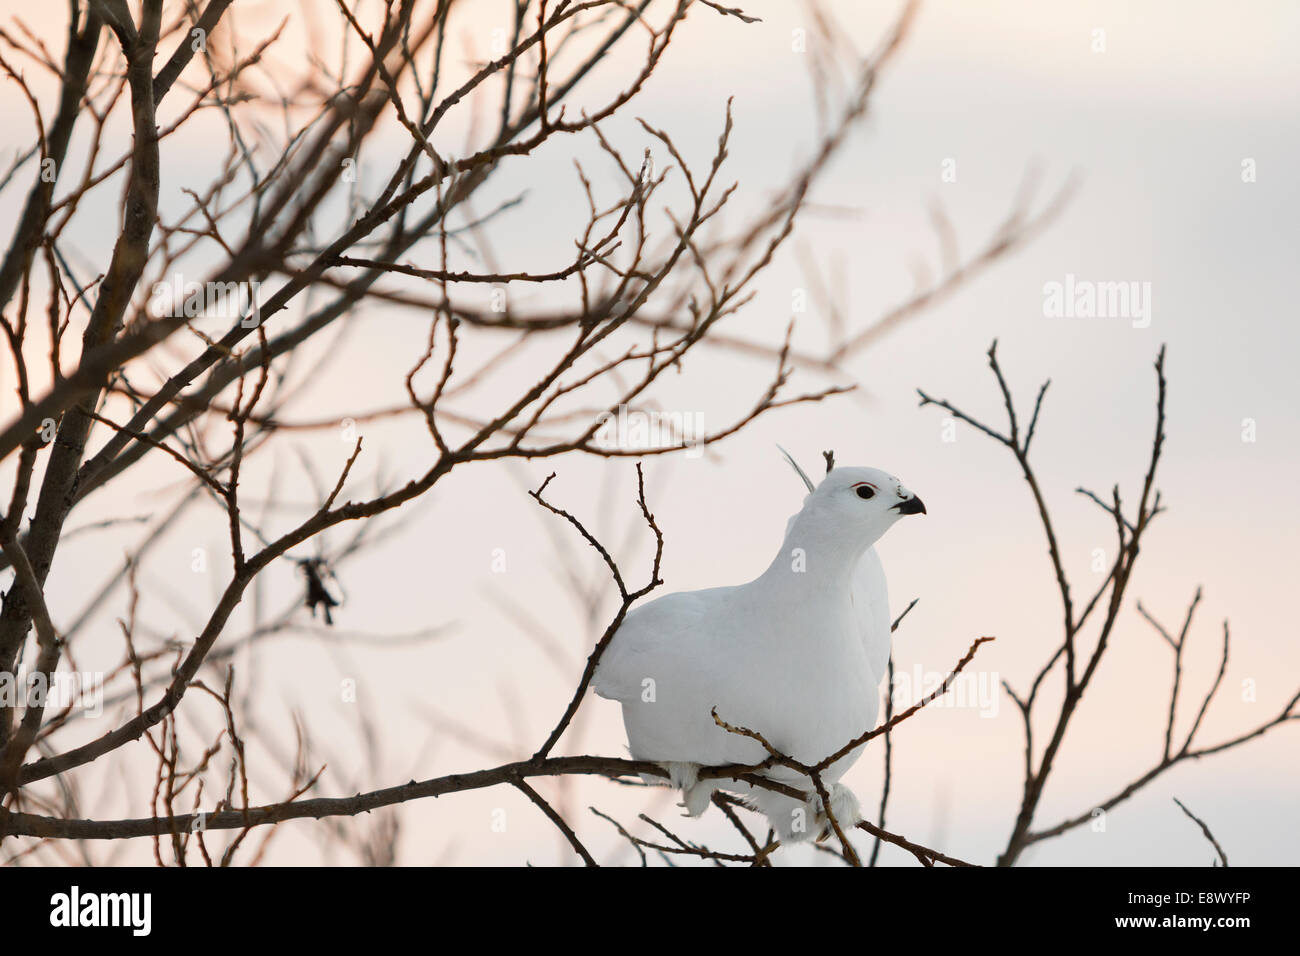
(866, 491)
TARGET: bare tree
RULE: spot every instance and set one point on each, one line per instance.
(1077, 665)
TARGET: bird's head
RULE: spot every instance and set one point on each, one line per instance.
(852, 505)
(861, 503)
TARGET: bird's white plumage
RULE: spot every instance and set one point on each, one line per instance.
(796, 654)
(870, 595)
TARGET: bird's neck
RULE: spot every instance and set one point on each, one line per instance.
(815, 559)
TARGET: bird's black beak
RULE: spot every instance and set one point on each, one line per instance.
(912, 506)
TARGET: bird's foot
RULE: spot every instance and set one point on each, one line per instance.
(697, 799)
(844, 807)
(685, 777)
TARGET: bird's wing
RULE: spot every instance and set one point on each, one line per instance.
(659, 636)
(871, 609)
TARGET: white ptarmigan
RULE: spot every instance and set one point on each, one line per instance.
(797, 654)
